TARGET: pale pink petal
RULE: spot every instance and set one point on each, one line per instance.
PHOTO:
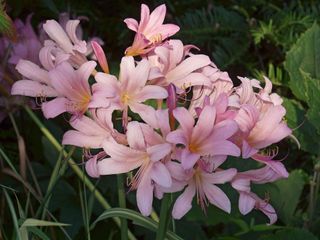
(167, 30)
(32, 89)
(80, 139)
(217, 197)
(54, 107)
(56, 32)
(84, 73)
(132, 24)
(221, 147)
(192, 79)
(160, 174)
(163, 120)
(224, 129)
(204, 124)
(158, 152)
(151, 92)
(127, 69)
(187, 66)
(156, 19)
(176, 170)
(188, 159)
(71, 28)
(145, 195)
(184, 202)
(279, 133)
(147, 113)
(177, 136)
(220, 177)
(247, 150)
(144, 17)
(87, 126)
(241, 184)
(32, 71)
(109, 166)
(246, 203)
(120, 152)
(140, 76)
(185, 120)
(92, 168)
(269, 211)
(135, 136)
(100, 55)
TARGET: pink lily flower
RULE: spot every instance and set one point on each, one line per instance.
(205, 138)
(73, 88)
(90, 133)
(150, 31)
(261, 130)
(220, 84)
(145, 152)
(202, 182)
(175, 68)
(36, 81)
(130, 91)
(249, 200)
(65, 43)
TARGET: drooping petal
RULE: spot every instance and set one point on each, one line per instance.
(109, 166)
(135, 136)
(120, 152)
(185, 120)
(32, 71)
(92, 167)
(246, 203)
(221, 147)
(132, 24)
(32, 89)
(151, 92)
(188, 159)
(187, 66)
(80, 139)
(217, 197)
(56, 32)
(54, 107)
(160, 174)
(147, 113)
(158, 152)
(184, 202)
(204, 125)
(145, 195)
(177, 136)
(220, 177)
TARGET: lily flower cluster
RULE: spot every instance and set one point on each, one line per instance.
(181, 117)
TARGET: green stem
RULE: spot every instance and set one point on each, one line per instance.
(75, 168)
(164, 217)
(122, 204)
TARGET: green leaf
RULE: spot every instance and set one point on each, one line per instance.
(287, 198)
(304, 131)
(137, 219)
(313, 100)
(290, 234)
(304, 56)
(31, 222)
(7, 27)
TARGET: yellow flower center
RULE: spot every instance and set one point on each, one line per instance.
(125, 98)
(194, 148)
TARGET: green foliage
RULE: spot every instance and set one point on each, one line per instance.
(290, 234)
(303, 66)
(221, 31)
